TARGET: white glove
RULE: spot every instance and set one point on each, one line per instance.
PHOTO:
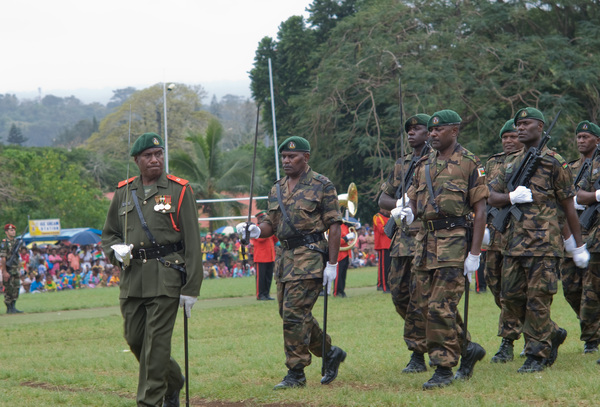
(329, 275)
(186, 302)
(577, 205)
(349, 236)
(122, 252)
(598, 195)
(403, 213)
(471, 265)
(253, 231)
(570, 244)
(581, 257)
(520, 195)
(403, 201)
(486, 237)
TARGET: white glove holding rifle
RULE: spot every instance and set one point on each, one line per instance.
(403, 212)
(520, 195)
(329, 275)
(253, 231)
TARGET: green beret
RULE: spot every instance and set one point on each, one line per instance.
(146, 141)
(509, 127)
(588, 127)
(295, 143)
(420, 118)
(529, 113)
(443, 118)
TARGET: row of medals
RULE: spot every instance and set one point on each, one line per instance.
(162, 204)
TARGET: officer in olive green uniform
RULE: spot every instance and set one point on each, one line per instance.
(590, 298)
(587, 135)
(310, 201)
(402, 246)
(448, 186)
(509, 331)
(534, 244)
(10, 274)
(154, 266)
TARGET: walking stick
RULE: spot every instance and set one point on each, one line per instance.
(187, 364)
(466, 322)
(324, 359)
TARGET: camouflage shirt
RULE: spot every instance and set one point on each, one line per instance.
(6, 247)
(457, 183)
(539, 231)
(587, 184)
(312, 208)
(403, 241)
(493, 166)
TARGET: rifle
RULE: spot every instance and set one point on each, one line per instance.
(390, 227)
(522, 177)
(590, 213)
(585, 167)
(12, 261)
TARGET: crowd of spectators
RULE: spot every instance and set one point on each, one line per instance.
(62, 266)
(223, 257)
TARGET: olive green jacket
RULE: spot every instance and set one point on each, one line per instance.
(152, 278)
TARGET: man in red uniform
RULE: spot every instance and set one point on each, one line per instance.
(382, 246)
(264, 258)
(339, 288)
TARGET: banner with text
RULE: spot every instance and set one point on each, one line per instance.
(43, 227)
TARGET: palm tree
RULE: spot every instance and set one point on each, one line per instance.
(213, 174)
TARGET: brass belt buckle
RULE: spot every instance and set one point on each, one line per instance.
(430, 226)
(143, 256)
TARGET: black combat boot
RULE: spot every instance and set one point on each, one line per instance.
(533, 364)
(14, 308)
(474, 354)
(416, 364)
(442, 377)
(294, 378)
(505, 352)
(335, 356)
(590, 347)
(172, 400)
(9, 308)
(557, 340)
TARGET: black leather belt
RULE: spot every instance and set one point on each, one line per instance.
(298, 241)
(446, 223)
(156, 252)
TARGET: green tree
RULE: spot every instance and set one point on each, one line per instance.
(213, 174)
(184, 115)
(15, 135)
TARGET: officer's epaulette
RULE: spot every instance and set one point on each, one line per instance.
(501, 154)
(178, 180)
(573, 162)
(126, 181)
(556, 156)
(469, 155)
(321, 178)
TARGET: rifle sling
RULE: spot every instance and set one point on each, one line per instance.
(430, 188)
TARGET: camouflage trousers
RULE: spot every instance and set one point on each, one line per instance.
(401, 286)
(571, 277)
(590, 301)
(493, 279)
(301, 332)
(528, 285)
(11, 287)
(437, 293)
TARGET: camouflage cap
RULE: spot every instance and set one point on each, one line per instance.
(420, 118)
(588, 127)
(509, 127)
(295, 143)
(443, 118)
(146, 141)
(529, 113)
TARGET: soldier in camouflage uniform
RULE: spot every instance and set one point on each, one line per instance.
(571, 275)
(402, 247)
(590, 298)
(448, 186)
(310, 201)
(494, 258)
(10, 275)
(152, 284)
(534, 245)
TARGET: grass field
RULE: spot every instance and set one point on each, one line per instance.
(68, 350)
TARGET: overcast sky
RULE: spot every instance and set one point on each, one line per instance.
(85, 48)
